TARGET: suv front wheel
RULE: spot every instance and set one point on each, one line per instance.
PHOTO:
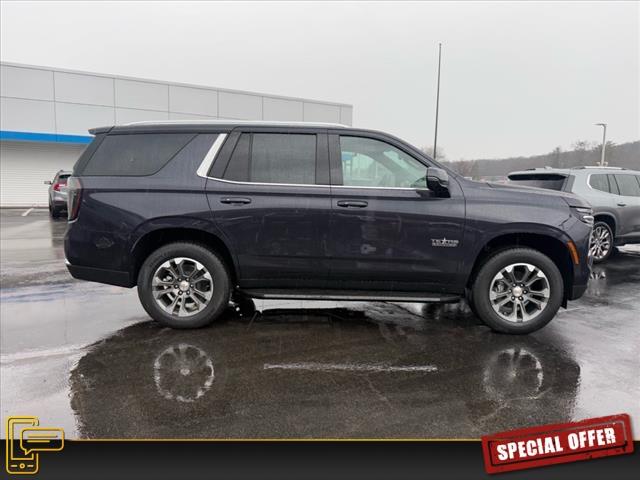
(184, 285)
(601, 242)
(517, 291)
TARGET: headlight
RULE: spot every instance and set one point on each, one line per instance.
(584, 214)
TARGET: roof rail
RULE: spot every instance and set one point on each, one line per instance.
(265, 123)
(586, 167)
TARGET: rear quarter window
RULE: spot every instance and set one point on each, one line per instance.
(550, 181)
(599, 181)
(135, 154)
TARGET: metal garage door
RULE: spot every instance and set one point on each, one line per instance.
(24, 166)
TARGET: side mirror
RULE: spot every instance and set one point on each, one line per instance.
(437, 180)
(48, 182)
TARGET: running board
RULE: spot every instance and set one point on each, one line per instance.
(350, 295)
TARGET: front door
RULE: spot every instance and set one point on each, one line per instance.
(627, 204)
(272, 201)
(388, 231)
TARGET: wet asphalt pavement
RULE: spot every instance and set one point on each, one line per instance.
(86, 357)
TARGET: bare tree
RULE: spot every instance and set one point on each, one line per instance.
(466, 168)
(440, 153)
(583, 145)
(556, 158)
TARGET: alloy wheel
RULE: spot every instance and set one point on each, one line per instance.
(600, 244)
(519, 292)
(182, 286)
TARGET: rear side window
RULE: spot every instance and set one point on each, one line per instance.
(273, 158)
(628, 185)
(613, 186)
(135, 154)
(598, 181)
(550, 181)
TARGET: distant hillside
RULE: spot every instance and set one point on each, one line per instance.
(625, 155)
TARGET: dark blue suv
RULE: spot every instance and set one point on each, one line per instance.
(201, 215)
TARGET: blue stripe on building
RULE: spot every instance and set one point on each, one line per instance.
(6, 135)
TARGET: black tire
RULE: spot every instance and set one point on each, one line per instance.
(604, 225)
(244, 306)
(470, 304)
(210, 260)
(493, 265)
(54, 211)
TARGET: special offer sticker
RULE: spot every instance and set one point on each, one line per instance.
(559, 443)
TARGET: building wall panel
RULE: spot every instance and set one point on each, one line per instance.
(141, 95)
(282, 110)
(75, 119)
(240, 106)
(193, 100)
(88, 89)
(30, 83)
(21, 115)
(317, 112)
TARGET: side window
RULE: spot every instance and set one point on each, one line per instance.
(135, 154)
(599, 181)
(613, 186)
(273, 158)
(371, 163)
(628, 185)
(238, 167)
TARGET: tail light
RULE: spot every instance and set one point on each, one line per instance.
(74, 196)
(56, 186)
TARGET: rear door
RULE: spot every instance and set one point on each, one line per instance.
(269, 193)
(388, 231)
(628, 205)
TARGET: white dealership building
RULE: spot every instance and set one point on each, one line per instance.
(46, 112)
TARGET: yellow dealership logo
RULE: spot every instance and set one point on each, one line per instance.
(25, 440)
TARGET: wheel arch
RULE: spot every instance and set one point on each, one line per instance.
(155, 238)
(549, 245)
(609, 219)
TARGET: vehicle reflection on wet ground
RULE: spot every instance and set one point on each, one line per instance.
(85, 357)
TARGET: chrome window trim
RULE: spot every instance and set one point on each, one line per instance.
(211, 155)
(315, 185)
(268, 184)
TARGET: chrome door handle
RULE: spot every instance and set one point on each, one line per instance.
(352, 203)
(235, 200)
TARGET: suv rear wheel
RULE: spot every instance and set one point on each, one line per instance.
(54, 211)
(517, 291)
(184, 285)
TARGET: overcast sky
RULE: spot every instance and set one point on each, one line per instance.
(517, 78)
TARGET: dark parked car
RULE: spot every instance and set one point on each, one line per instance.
(58, 193)
(201, 214)
(612, 192)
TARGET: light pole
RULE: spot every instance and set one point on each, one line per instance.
(435, 138)
(604, 142)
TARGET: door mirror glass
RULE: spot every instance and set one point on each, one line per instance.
(48, 182)
(437, 180)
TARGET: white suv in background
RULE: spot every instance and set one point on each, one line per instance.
(613, 192)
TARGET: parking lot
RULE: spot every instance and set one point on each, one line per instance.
(86, 357)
